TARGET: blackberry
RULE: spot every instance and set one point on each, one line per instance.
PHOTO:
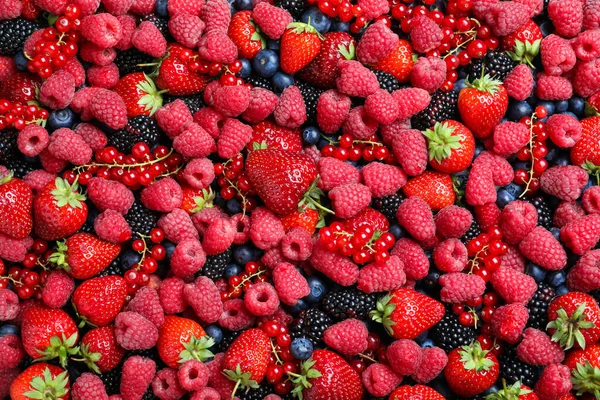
(14, 33)
(497, 65)
(194, 102)
(140, 219)
(538, 306)
(544, 212)
(215, 265)
(8, 145)
(512, 369)
(259, 393)
(140, 128)
(387, 81)
(310, 324)
(113, 269)
(388, 205)
(443, 106)
(471, 233)
(294, 7)
(128, 61)
(259, 81)
(311, 95)
(228, 338)
(450, 334)
(19, 166)
(347, 303)
(112, 380)
(162, 23)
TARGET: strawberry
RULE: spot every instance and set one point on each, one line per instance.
(83, 255)
(282, 179)
(16, 200)
(100, 350)
(517, 391)
(196, 200)
(369, 216)
(175, 75)
(574, 320)
(182, 339)
(471, 370)
(584, 365)
(482, 105)
(49, 333)
(420, 392)
(299, 45)
(275, 136)
(586, 152)
(307, 219)
(327, 376)
(434, 187)
(322, 71)
(399, 62)
(21, 87)
(523, 45)
(139, 93)
(451, 146)
(247, 358)
(99, 300)
(59, 210)
(406, 313)
(41, 381)
(245, 34)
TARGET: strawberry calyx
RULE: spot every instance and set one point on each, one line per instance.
(311, 199)
(152, 100)
(6, 178)
(46, 387)
(301, 381)
(241, 379)
(204, 201)
(485, 83)
(348, 52)
(59, 257)
(568, 329)
(525, 52)
(441, 142)
(197, 349)
(592, 169)
(67, 194)
(300, 27)
(89, 358)
(382, 313)
(509, 392)
(474, 357)
(60, 348)
(257, 37)
(586, 379)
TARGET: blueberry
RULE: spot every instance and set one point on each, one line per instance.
(561, 106)
(301, 348)
(244, 4)
(421, 338)
(219, 200)
(549, 106)
(555, 232)
(234, 206)
(431, 281)
(571, 114)
(246, 68)
(317, 19)
(478, 149)
(9, 329)
(169, 248)
(299, 306)
(459, 85)
(273, 44)
(532, 100)
(518, 110)
(577, 105)
(397, 231)
(538, 273)
(21, 61)
(266, 63)
(232, 270)
(214, 332)
(427, 343)
(311, 135)
(160, 7)
(243, 254)
(340, 26)
(282, 80)
(561, 161)
(546, 27)
(57, 119)
(129, 258)
(504, 197)
(562, 289)
(317, 289)
(556, 278)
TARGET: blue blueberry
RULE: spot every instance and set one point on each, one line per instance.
(214, 332)
(555, 232)
(266, 63)
(562, 289)
(504, 197)
(21, 61)
(431, 281)
(160, 7)
(169, 249)
(317, 289)
(550, 106)
(546, 27)
(571, 114)
(397, 231)
(478, 149)
(9, 329)
(459, 85)
(282, 80)
(561, 106)
(340, 26)
(234, 206)
(577, 105)
(427, 343)
(243, 254)
(521, 165)
(518, 110)
(301, 348)
(556, 278)
(232, 270)
(129, 258)
(57, 119)
(246, 68)
(317, 19)
(311, 135)
(421, 338)
(538, 273)
(273, 44)
(299, 306)
(244, 4)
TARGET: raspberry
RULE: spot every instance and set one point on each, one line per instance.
(291, 286)
(348, 337)
(234, 137)
(450, 256)
(216, 14)
(13, 249)
(117, 7)
(38, 178)
(205, 217)
(332, 109)
(110, 195)
(513, 286)
(165, 385)
(587, 78)
(383, 179)
(410, 150)
(506, 17)
(553, 87)
(376, 43)
(241, 223)
(91, 53)
(231, 101)
(7, 64)
(12, 351)
(509, 137)
(128, 26)
(173, 117)
(382, 107)
(199, 173)
(534, 7)
(33, 140)
(297, 244)
(134, 332)
(68, 146)
(591, 15)
(516, 220)
(102, 76)
(566, 212)
(359, 125)
(404, 356)
(564, 130)
(458, 287)
(584, 277)
(187, 258)
(380, 380)
(88, 386)
(348, 200)
(519, 82)
(567, 17)
(414, 215)
(416, 263)
(480, 187)
(333, 265)
(88, 7)
(271, 20)
(382, 278)
(514, 259)
(411, 101)
(171, 295)
(112, 227)
(566, 182)
(509, 321)
(433, 362)
(204, 298)
(291, 111)
(554, 383)
(103, 30)
(481, 7)
(374, 8)
(148, 39)
(218, 237)
(146, 302)
(217, 47)
(591, 200)
(9, 305)
(582, 234)
(58, 289)
(194, 141)
(186, 29)
(7, 377)
(266, 230)
(558, 56)
(262, 104)
(273, 257)
(587, 45)
(136, 377)
(177, 7)
(452, 221)
(10, 9)
(108, 107)
(428, 73)
(537, 348)
(177, 226)
(356, 80)
(81, 102)
(164, 195)
(235, 316)
(425, 34)
(58, 90)
(209, 120)
(193, 375)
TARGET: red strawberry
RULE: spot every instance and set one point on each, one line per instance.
(471, 370)
(524, 44)
(175, 75)
(246, 36)
(247, 358)
(281, 179)
(417, 392)
(406, 313)
(181, 339)
(99, 300)
(100, 350)
(20, 87)
(83, 255)
(300, 44)
(307, 219)
(574, 320)
(49, 333)
(482, 104)
(434, 187)
(196, 200)
(275, 136)
(16, 200)
(59, 210)
(139, 93)
(451, 146)
(584, 364)
(586, 152)
(39, 380)
(326, 376)
(322, 71)
(399, 62)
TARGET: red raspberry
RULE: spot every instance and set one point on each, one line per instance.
(9, 305)
(58, 289)
(193, 376)
(33, 140)
(205, 299)
(289, 283)
(382, 107)
(434, 362)
(558, 56)
(458, 287)
(112, 227)
(103, 76)
(519, 82)
(234, 137)
(452, 221)
(554, 383)
(591, 200)
(591, 15)
(410, 150)
(334, 173)
(404, 356)
(128, 26)
(514, 259)
(373, 8)
(380, 380)
(7, 65)
(236, 316)
(266, 230)
(587, 78)
(382, 278)
(173, 117)
(218, 237)
(81, 102)
(502, 171)
(584, 276)
(425, 34)
(487, 215)
(506, 17)
(273, 257)
(359, 124)
(108, 107)
(537, 348)
(12, 352)
(216, 14)
(566, 212)
(216, 378)
(428, 73)
(134, 332)
(553, 87)
(348, 337)
(165, 385)
(355, 79)
(376, 43)
(146, 302)
(231, 101)
(416, 263)
(187, 259)
(513, 286)
(582, 234)
(509, 321)
(481, 8)
(348, 200)
(194, 141)
(411, 101)
(177, 7)
(148, 39)
(177, 226)
(516, 220)
(91, 53)
(136, 376)
(262, 104)
(450, 256)
(10, 9)
(216, 46)
(210, 120)
(171, 295)
(117, 7)
(242, 224)
(383, 179)
(291, 111)
(50, 163)
(415, 215)
(164, 195)
(333, 265)
(88, 7)
(88, 386)
(209, 393)
(564, 130)
(509, 137)
(110, 195)
(480, 187)
(297, 244)
(199, 173)
(587, 45)
(566, 182)
(58, 90)
(271, 20)
(205, 217)
(38, 178)
(186, 29)
(566, 16)
(69, 146)
(103, 30)
(534, 7)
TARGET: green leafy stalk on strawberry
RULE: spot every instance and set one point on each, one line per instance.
(46, 387)
(586, 379)
(441, 141)
(89, 358)
(592, 169)
(383, 312)
(474, 358)
(509, 392)
(60, 348)
(152, 100)
(204, 201)
(301, 381)
(525, 52)
(197, 349)
(568, 329)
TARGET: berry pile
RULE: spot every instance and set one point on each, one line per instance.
(311, 199)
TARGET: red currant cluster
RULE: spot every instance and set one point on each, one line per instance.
(352, 149)
(238, 284)
(194, 63)
(281, 361)
(151, 251)
(29, 279)
(485, 253)
(57, 45)
(228, 78)
(138, 169)
(364, 245)
(344, 10)
(375, 352)
(534, 152)
(19, 115)
(234, 183)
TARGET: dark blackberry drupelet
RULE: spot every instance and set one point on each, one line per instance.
(129, 61)
(311, 95)
(450, 334)
(310, 324)
(8, 145)
(443, 106)
(194, 102)
(19, 166)
(228, 338)
(512, 369)
(387, 81)
(544, 212)
(294, 7)
(388, 205)
(112, 380)
(471, 233)
(259, 81)
(214, 267)
(113, 269)
(262, 391)
(14, 33)
(538, 306)
(140, 128)
(347, 303)
(162, 23)
(140, 219)
(497, 65)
